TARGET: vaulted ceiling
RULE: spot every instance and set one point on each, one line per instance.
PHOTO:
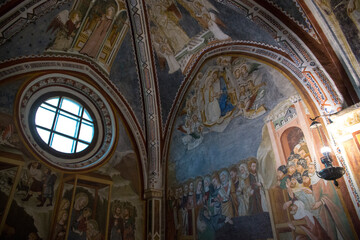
(151, 56)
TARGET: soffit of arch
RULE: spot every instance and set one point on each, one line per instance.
(27, 65)
(302, 21)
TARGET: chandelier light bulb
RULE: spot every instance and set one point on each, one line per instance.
(325, 150)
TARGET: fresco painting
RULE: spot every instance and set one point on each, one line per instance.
(233, 87)
(95, 29)
(43, 196)
(344, 19)
(125, 219)
(202, 207)
(33, 199)
(214, 192)
(173, 46)
(346, 131)
(9, 136)
(86, 211)
(122, 221)
(39, 183)
(307, 196)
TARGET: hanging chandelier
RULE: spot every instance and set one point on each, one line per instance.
(330, 172)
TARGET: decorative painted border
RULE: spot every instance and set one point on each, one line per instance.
(146, 68)
(309, 28)
(348, 179)
(356, 139)
(44, 84)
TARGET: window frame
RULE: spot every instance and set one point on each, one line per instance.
(92, 97)
(35, 106)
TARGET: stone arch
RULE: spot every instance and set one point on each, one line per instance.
(263, 53)
(22, 68)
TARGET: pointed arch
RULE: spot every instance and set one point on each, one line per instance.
(313, 92)
(36, 66)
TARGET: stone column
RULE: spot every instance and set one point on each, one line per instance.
(153, 214)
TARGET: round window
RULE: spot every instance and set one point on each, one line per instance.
(66, 122)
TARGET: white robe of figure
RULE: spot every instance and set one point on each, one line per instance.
(188, 140)
(242, 194)
(308, 200)
(185, 222)
(204, 14)
(262, 193)
(214, 28)
(212, 107)
(162, 48)
(172, 63)
(174, 34)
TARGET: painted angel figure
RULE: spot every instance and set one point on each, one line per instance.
(164, 50)
(203, 12)
(66, 24)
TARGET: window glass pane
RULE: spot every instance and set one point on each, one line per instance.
(86, 132)
(87, 122)
(62, 144)
(81, 146)
(44, 118)
(53, 101)
(66, 120)
(71, 106)
(48, 107)
(87, 116)
(66, 126)
(69, 115)
(44, 134)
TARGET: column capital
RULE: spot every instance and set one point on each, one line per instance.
(153, 193)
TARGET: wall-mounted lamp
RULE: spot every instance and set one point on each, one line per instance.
(329, 172)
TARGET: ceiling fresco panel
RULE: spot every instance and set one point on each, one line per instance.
(124, 75)
(97, 32)
(33, 39)
(181, 29)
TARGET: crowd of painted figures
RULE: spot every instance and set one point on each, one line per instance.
(311, 199)
(84, 226)
(206, 204)
(122, 221)
(38, 181)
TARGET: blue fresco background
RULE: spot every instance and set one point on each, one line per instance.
(218, 149)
